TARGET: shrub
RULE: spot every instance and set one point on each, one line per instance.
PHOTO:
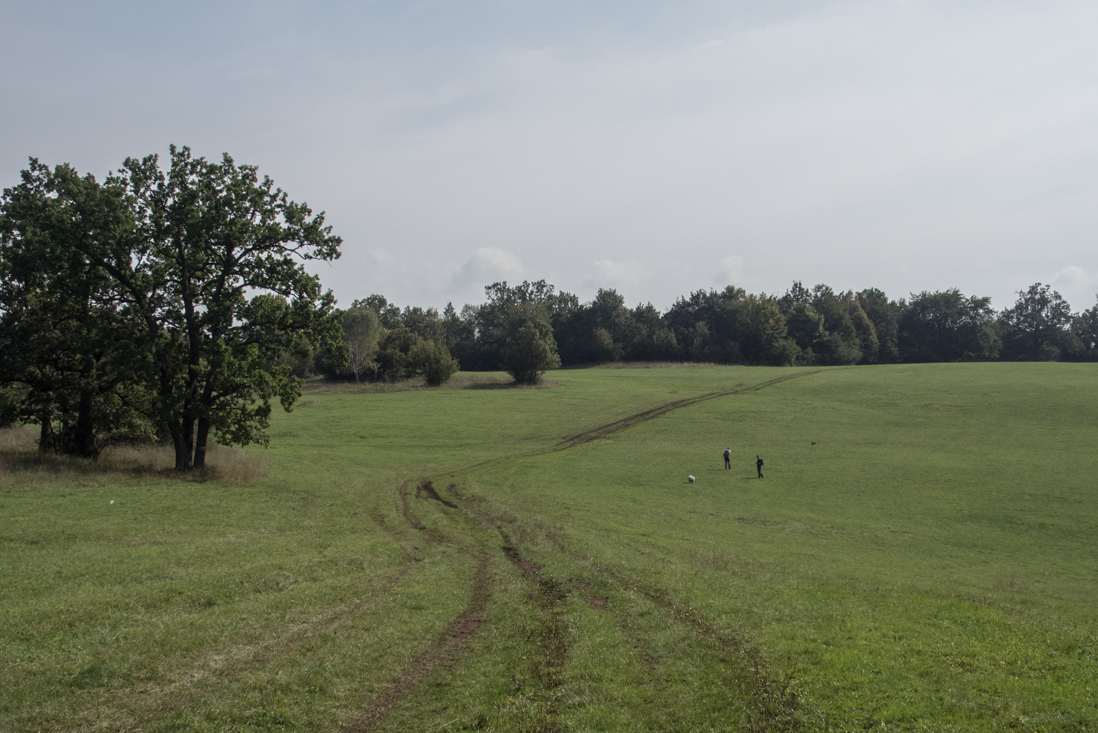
(432, 361)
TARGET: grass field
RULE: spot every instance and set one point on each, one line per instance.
(920, 556)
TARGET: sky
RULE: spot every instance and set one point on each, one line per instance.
(656, 148)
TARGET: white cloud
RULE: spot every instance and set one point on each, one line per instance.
(383, 257)
(1078, 285)
(625, 277)
(486, 266)
(732, 269)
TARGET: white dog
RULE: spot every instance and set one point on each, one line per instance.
(690, 479)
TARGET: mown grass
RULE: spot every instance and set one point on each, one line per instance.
(928, 564)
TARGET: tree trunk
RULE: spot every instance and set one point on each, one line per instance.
(83, 439)
(45, 434)
(182, 456)
(200, 442)
(188, 442)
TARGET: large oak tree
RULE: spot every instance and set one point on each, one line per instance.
(209, 265)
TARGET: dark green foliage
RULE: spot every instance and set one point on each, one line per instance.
(432, 361)
(803, 326)
(67, 343)
(651, 339)
(361, 333)
(493, 321)
(387, 313)
(761, 331)
(1038, 327)
(844, 342)
(460, 333)
(530, 349)
(885, 315)
(806, 327)
(394, 354)
(423, 323)
(9, 407)
(215, 272)
(731, 326)
(947, 326)
(1085, 328)
(596, 332)
(175, 293)
(390, 344)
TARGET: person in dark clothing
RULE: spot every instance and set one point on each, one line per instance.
(728, 457)
(759, 464)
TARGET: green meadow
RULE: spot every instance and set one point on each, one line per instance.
(920, 556)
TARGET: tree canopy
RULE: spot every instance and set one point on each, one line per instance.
(197, 269)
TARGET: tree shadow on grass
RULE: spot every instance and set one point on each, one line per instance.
(22, 465)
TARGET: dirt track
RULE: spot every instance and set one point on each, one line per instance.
(456, 634)
(617, 426)
(772, 710)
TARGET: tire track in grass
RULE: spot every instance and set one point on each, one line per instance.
(774, 705)
(225, 668)
(773, 708)
(547, 670)
(603, 431)
(616, 426)
(449, 643)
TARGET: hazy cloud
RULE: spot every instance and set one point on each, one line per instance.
(486, 266)
(905, 145)
(625, 277)
(383, 257)
(732, 269)
(1078, 286)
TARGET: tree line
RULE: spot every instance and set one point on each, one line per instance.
(816, 326)
(172, 304)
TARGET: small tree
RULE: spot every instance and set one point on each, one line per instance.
(530, 350)
(432, 361)
(361, 333)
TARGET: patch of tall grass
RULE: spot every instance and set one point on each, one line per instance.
(23, 465)
(461, 380)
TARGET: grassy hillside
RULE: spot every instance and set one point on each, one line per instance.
(920, 556)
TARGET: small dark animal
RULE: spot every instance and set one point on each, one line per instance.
(813, 442)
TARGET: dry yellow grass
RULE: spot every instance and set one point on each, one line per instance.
(21, 463)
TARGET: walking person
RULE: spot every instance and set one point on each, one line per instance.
(759, 464)
(728, 457)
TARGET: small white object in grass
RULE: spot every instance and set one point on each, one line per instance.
(690, 479)
(112, 501)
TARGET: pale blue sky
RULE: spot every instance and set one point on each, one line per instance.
(652, 147)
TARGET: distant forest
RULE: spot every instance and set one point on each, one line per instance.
(805, 326)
